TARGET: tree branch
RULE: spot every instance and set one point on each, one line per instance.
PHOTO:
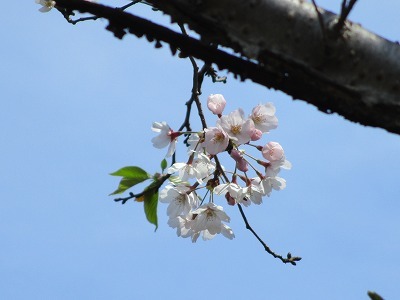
(356, 75)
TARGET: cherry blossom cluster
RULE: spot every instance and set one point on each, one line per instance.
(187, 211)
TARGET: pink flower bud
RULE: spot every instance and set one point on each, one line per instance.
(230, 199)
(241, 163)
(273, 151)
(216, 103)
(256, 134)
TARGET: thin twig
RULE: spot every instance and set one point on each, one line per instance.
(344, 13)
(196, 86)
(289, 258)
(154, 186)
(123, 200)
(320, 20)
(67, 14)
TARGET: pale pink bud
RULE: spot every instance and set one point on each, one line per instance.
(241, 163)
(273, 151)
(230, 199)
(216, 103)
(236, 155)
(256, 134)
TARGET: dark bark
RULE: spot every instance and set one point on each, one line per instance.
(285, 45)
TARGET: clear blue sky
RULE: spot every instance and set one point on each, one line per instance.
(77, 104)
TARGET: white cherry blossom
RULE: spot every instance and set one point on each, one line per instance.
(274, 152)
(47, 5)
(166, 137)
(237, 127)
(226, 231)
(282, 163)
(235, 191)
(216, 140)
(223, 188)
(204, 166)
(270, 181)
(254, 192)
(194, 143)
(182, 225)
(263, 116)
(185, 171)
(208, 221)
(180, 201)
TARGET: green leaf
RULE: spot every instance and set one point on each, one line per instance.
(164, 164)
(133, 173)
(125, 184)
(374, 296)
(131, 176)
(150, 206)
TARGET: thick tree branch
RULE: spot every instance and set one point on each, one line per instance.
(282, 46)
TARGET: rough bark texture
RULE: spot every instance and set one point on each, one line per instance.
(282, 45)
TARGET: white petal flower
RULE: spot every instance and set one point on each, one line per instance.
(185, 171)
(237, 127)
(180, 201)
(208, 221)
(268, 183)
(263, 116)
(194, 143)
(235, 191)
(204, 167)
(216, 140)
(182, 225)
(200, 168)
(224, 188)
(254, 192)
(283, 163)
(166, 137)
(47, 5)
(225, 230)
(274, 152)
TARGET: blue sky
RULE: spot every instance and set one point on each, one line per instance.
(77, 104)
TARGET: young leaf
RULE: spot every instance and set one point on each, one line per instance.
(164, 164)
(150, 206)
(374, 296)
(131, 176)
(125, 184)
(133, 173)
